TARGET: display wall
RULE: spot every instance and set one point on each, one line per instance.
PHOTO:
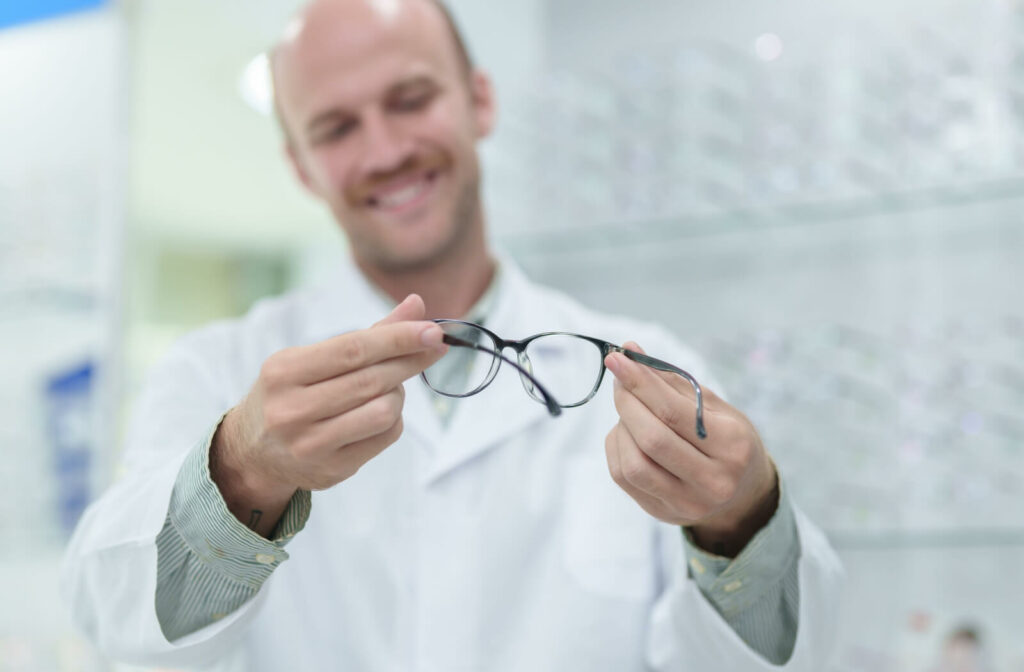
(61, 125)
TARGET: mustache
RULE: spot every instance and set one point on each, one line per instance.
(421, 163)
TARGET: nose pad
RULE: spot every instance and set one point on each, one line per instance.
(524, 361)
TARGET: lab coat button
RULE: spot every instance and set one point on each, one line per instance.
(265, 558)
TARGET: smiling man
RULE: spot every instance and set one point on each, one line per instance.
(421, 533)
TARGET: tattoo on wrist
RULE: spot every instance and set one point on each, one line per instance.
(254, 518)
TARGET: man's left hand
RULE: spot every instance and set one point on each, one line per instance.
(724, 487)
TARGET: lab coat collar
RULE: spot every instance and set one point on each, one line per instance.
(348, 302)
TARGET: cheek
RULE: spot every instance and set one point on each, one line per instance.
(329, 169)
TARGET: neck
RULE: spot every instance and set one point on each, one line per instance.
(449, 288)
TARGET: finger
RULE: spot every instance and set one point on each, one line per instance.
(411, 308)
(368, 420)
(660, 442)
(613, 452)
(711, 400)
(348, 460)
(671, 406)
(359, 349)
(342, 393)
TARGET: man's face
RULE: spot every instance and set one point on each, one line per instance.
(383, 120)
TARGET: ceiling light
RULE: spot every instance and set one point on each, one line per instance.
(256, 87)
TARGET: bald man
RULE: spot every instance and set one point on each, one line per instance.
(425, 534)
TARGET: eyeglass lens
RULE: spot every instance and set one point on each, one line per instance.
(569, 367)
(463, 371)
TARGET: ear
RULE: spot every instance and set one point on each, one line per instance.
(300, 169)
(484, 104)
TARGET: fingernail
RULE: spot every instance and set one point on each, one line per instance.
(432, 336)
(613, 364)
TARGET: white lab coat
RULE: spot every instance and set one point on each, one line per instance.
(500, 543)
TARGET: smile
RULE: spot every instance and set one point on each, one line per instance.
(407, 196)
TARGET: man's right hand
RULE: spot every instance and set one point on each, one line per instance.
(318, 413)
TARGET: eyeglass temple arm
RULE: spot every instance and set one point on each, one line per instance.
(553, 408)
(665, 366)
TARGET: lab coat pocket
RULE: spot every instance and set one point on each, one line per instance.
(608, 539)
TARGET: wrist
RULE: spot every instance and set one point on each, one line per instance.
(236, 472)
(728, 533)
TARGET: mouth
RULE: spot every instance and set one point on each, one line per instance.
(404, 195)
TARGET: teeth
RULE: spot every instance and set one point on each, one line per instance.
(399, 198)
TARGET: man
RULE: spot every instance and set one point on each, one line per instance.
(483, 535)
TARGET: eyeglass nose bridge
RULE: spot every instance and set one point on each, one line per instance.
(527, 364)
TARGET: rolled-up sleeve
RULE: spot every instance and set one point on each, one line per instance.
(758, 591)
(208, 562)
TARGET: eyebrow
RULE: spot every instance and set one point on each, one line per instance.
(333, 114)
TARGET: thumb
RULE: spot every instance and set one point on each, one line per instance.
(634, 346)
(411, 308)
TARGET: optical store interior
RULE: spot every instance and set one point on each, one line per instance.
(822, 198)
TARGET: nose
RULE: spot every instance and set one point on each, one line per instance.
(385, 148)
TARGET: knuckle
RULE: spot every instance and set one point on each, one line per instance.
(742, 453)
(671, 414)
(722, 489)
(613, 464)
(382, 414)
(395, 432)
(351, 350)
(653, 441)
(275, 368)
(636, 473)
(344, 472)
(277, 414)
(741, 447)
(396, 397)
(364, 384)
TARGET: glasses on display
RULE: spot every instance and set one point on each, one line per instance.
(571, 366)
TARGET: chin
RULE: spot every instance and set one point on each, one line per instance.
(410, 260)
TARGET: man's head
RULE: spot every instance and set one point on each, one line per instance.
(382, 109)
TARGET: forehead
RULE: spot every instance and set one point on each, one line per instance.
(345, 52)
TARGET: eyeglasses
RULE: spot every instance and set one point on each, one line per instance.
(571, 366)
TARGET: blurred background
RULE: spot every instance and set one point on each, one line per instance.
(823, 198)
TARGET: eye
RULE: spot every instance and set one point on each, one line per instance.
(413, 102)
(334, 132)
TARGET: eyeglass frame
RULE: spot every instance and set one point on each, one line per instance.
(554, 407)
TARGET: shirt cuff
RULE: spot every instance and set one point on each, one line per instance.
(219, 540)
(735, 584)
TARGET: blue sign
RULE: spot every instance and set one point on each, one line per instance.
(69, 401)
(13, 12)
